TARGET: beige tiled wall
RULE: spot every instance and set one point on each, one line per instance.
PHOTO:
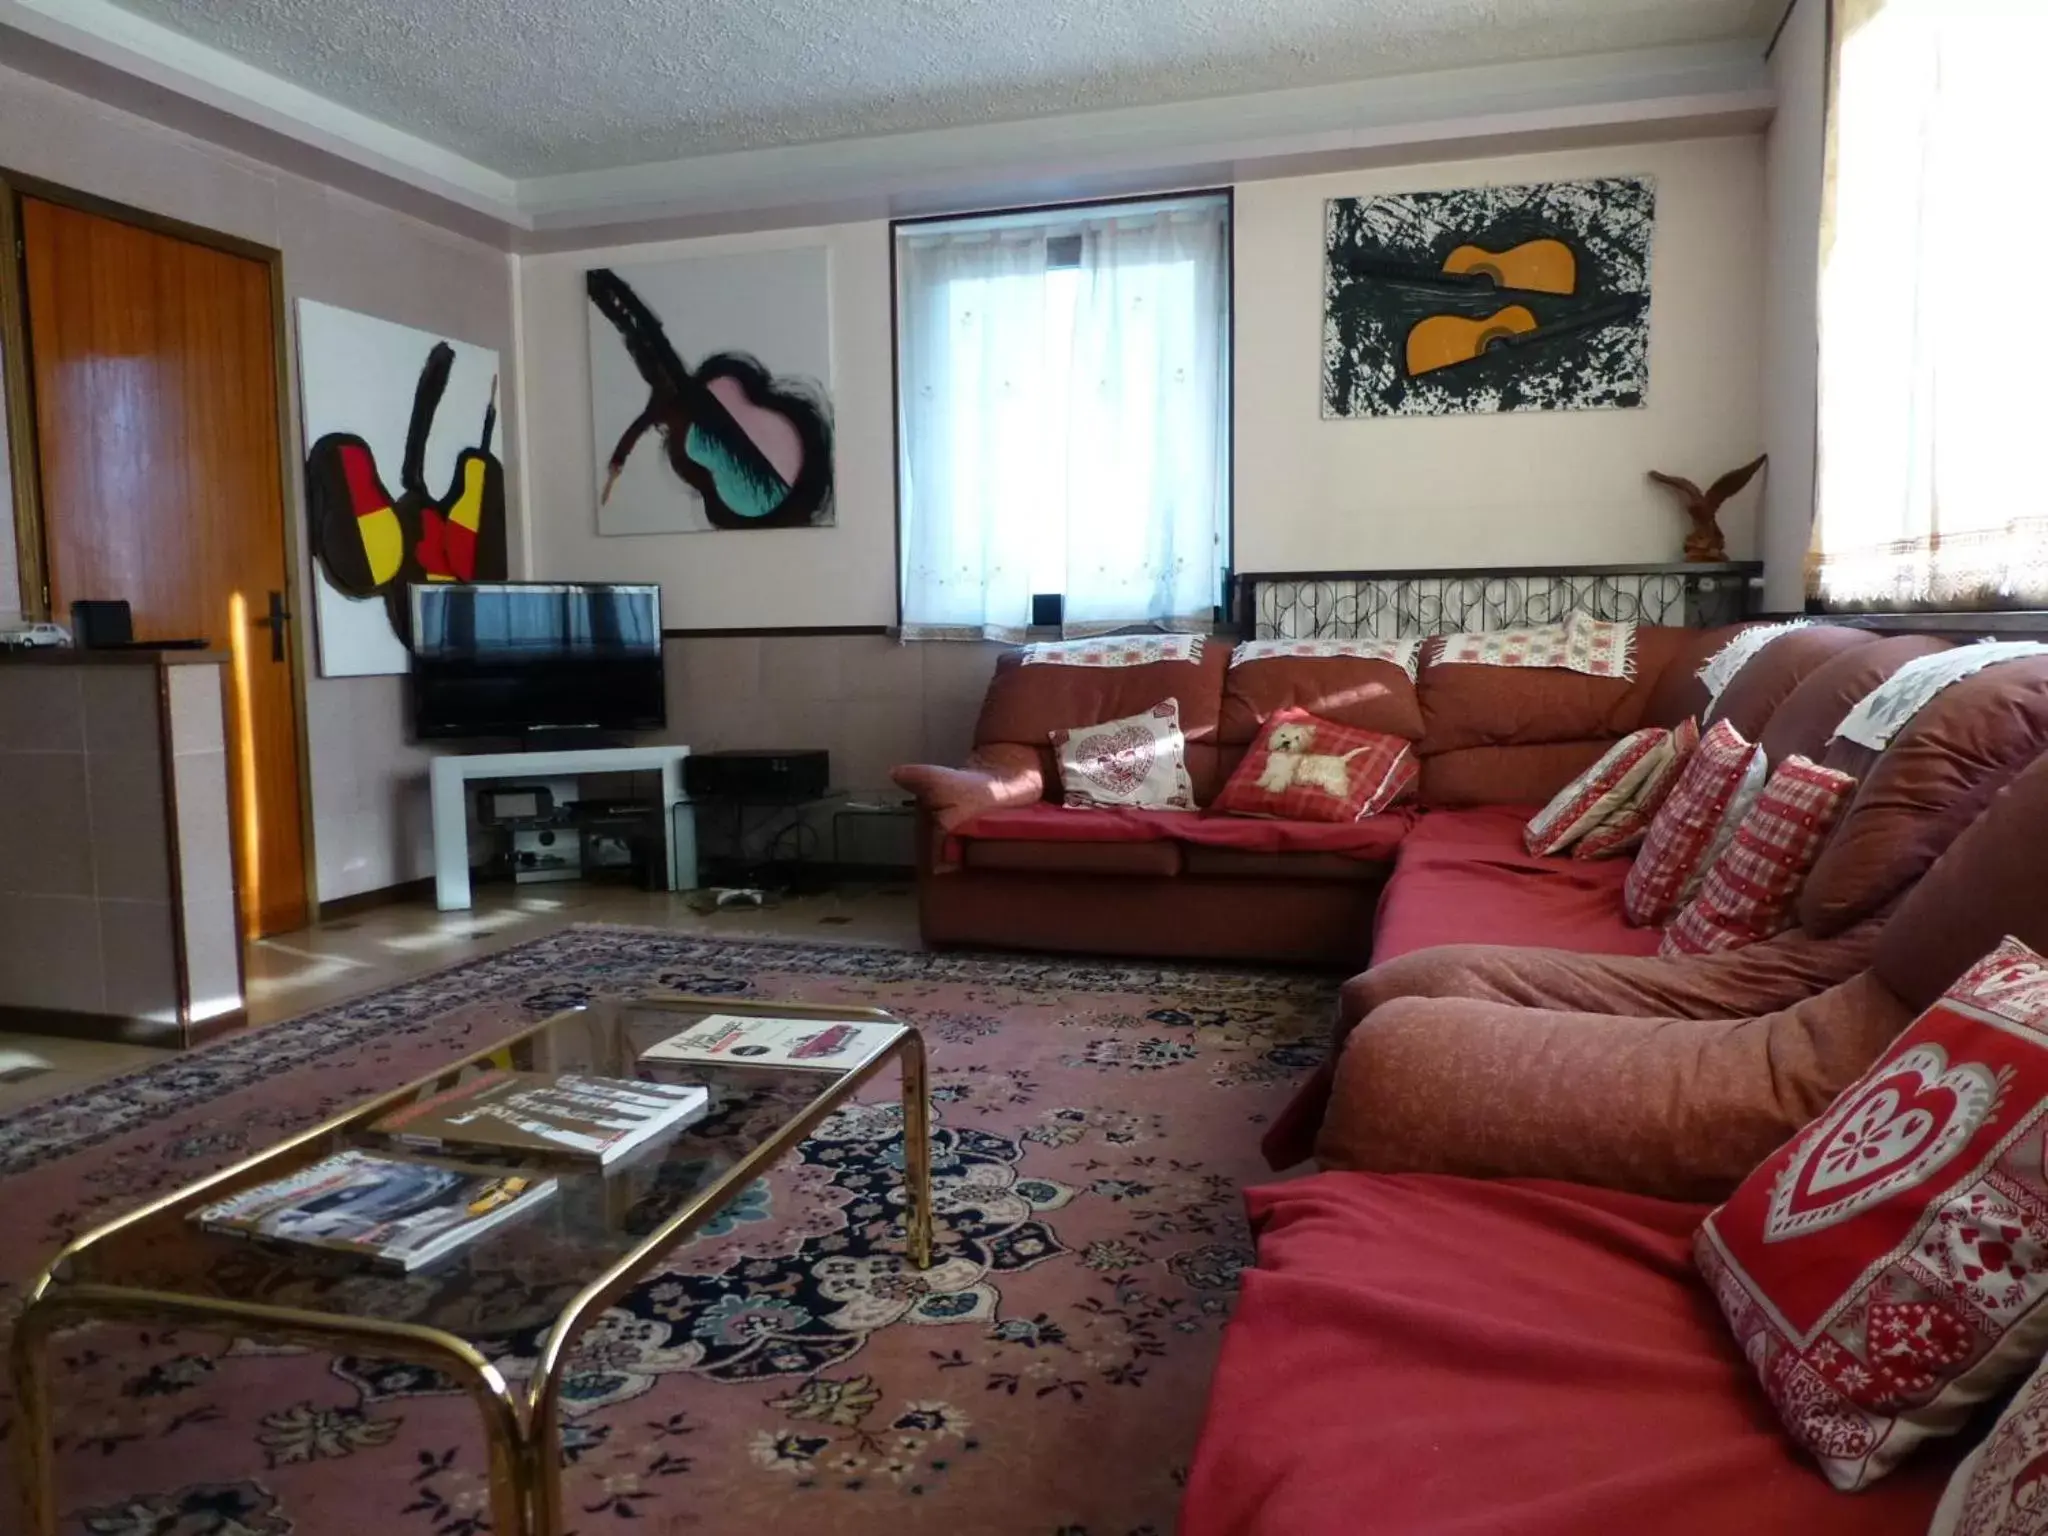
(199, 773)
(871, 701)
(85, 890)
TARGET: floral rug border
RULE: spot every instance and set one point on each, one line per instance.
(69, 1123)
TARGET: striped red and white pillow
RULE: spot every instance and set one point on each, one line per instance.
(1710, 800)
(1625, 829)
(1748, 894)
(1598, 793)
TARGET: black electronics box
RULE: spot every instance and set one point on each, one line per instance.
(758, 774)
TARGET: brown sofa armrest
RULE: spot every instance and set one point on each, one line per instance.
(999, 775)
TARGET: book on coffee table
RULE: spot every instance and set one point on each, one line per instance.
(831, 1045)
(397, 1214)
(591, 1119)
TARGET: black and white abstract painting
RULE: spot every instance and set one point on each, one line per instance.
(1485, 299)
(709, 392)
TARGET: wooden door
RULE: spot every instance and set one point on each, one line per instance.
(154, 369)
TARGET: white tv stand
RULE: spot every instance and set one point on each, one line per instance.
(450, 777)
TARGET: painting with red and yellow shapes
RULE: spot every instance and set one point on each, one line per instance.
(403, 479)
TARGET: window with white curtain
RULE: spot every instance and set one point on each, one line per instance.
(1933, 398)
(1063, 417)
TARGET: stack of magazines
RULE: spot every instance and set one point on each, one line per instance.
(590, 1119)
(398, 1214)
(404, 1214)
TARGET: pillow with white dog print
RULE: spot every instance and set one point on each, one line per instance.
(1140, 760)
(1302, 768)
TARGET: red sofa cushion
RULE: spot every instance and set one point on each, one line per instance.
(1957, 751)
(1773, 674)
(1158, 858)
(1514, 1358)
(1367, 694)
(1026, 704)
(1802, 725)
(1374, 839)
(1464, 876)
(1678, 693)
(1985, 885)
(1464, 705)
(1526, 774)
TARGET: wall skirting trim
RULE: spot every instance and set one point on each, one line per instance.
(384, 896)
(118, 1029)
(751, 631)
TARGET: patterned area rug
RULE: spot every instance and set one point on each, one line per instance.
(1093, 1126)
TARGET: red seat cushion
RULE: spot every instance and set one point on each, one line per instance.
(1464, 877)
(1375, 838)
(1498, 1358)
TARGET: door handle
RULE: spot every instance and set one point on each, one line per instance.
(275, 623)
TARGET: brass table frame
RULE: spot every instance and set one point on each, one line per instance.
(521, 1428)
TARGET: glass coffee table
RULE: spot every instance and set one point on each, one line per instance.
(549, 1274)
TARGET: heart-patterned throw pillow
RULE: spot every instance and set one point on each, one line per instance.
(1887, 1269)
(1140, 760)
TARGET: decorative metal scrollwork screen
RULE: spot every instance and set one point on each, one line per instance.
(1395, 605)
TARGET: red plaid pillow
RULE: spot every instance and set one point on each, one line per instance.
(1302, 768)
(1597, 793)
(1885, 1270)
(1626, 827)
(1748, 894)
(1723, 776)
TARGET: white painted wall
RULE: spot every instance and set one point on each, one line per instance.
(370, 825)
(1541, 488)
(1794, 150)
(843, 575)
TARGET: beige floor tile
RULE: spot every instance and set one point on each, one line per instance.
(331, 963)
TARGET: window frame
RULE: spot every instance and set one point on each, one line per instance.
(1228, 194)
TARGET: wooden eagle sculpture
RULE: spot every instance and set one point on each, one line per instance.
(1706, 543)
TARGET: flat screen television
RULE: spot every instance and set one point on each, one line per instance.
(518, 659)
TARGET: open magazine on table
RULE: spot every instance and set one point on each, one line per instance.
(831, 1045)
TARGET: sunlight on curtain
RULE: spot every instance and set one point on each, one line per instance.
(1064, 419)
(1933, 400)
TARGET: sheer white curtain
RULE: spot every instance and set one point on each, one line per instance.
(1932, 398)
(1064, 419)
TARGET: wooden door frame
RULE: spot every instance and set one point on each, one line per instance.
(17, 385)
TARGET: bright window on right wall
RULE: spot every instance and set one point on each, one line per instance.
(1933, 488)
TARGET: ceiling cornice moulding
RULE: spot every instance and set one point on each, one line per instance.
(159, 56)
(1448, 114)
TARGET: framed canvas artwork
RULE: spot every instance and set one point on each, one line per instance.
(403, 481)
(710, 393)
(1530, 298)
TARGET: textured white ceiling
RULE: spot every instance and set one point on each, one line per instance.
(534, 87)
